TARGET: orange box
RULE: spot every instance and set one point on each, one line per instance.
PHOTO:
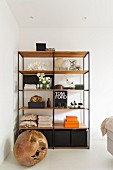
(72, 126)
(71, 118)
(69, 124)
(72, 123)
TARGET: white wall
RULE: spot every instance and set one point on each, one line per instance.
(8, 78)
(96, 40)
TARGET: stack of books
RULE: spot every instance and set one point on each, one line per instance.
(44, 121)
(30, 86)
(71, 122)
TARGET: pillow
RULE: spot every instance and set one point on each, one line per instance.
(29, 117)
(28, 124)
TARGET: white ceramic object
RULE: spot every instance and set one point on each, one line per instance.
(36, 66)
(58, 63)
(66, 64)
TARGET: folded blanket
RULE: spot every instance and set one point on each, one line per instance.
(44, 116)
(107, 124)
(44, 125)
(29, 117)
(27, 123)
(30, 86)
(45, 119)
(44, 122)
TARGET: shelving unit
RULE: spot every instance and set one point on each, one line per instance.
(58, 136)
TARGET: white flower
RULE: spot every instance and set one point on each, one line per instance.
(38, 74)
(48, 79)
(42, 78)
(44, 81)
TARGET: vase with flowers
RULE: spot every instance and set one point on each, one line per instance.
(44, 82)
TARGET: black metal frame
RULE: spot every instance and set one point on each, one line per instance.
(53, 96)
(88, 79)
(18, 100)
(53, 130)
(89, 98)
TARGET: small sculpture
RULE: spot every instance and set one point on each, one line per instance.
(36, 66)
(73, 104)
(72, 65)
(79, 105)
(59, 86)
(70, 84)
(66, 64)
(30, 147)
(36, 98)
(58, 63)
(50, 49)
(78, 67)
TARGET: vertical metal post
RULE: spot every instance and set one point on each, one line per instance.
(89, 97)
(22, 85)
(53, 95)
(83, 93)
(18, 98)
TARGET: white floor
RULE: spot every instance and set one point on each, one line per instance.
(97, 157)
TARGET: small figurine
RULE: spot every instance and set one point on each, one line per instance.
(72, 65)
(73, 105)
(80, 104)
(66, 64)
(78, 67)
(36, 66)
(58, 63)
(36, 98)
(71, 85)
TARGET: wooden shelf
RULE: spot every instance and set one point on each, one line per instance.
(61, 126)
(55, 72)
(56, 126)
(71, 90)
(71, 54)
(82, 108)
(26, 108)
(35, 71)
(51, 108)
(27, 90)
(68, 54)
(34, 128)
(70, 71)
(32, 54)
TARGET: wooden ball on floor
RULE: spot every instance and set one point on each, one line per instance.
(30, 147)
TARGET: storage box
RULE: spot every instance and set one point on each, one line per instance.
(40, 46)
(71, 118)
(36, 104)
(79, 137)
(71, 124)
(62, 138)
(49, 136)
(79, 86)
